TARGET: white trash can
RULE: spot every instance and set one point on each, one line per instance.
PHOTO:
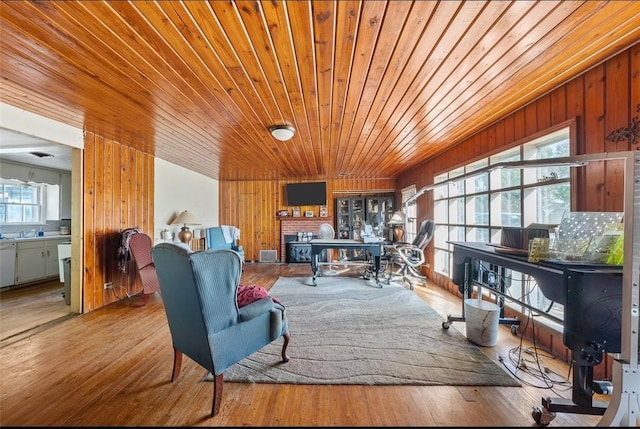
(482, 319)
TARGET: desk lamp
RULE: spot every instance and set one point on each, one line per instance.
(185, 218)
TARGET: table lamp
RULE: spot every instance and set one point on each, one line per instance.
(397, 221)
(185, 218)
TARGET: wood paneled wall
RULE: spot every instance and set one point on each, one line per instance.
(602, 100)
(118, 194)
(252, 206)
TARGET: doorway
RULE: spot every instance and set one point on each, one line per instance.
(37, 306)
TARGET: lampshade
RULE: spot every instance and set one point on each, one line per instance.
(282, 132)
(186, 217)
(398, 218)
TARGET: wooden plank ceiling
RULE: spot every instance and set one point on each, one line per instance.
(372, 87)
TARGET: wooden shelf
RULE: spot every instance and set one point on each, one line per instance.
(298, 218)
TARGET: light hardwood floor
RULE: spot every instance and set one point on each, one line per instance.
(112, 367)
(31, 308)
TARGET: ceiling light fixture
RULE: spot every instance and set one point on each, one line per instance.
(282, 132)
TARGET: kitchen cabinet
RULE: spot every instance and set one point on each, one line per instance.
(65, 196)
(37, 259)
(7, 262)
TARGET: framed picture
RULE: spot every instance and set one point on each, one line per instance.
(308, 213)
(296, 212)
(323, 211)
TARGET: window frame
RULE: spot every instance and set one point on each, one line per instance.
(39, 205)
(453, 195)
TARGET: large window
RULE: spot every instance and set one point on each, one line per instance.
(25, 203)
(475, 207)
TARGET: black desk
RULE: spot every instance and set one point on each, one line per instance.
(592, 298)
(318, 245)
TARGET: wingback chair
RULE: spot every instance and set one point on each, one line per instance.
(224, 237)
(199, 292)
(140, 247)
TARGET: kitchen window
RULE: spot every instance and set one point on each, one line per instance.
(26, 203)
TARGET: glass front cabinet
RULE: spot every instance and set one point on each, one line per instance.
(352, 213)
(379, 211)
(349, 217)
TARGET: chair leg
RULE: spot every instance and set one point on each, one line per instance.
(177, 364)
(287, 337)
(218, 382)
(145, 298)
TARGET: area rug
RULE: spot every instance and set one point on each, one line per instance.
(344, 331)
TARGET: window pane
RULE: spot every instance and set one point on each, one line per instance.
(456, 187)
(480, 235)
(547, 204)
(456, 211)
(440, 191)
(440, 211)
(478, 183)
(456, 233)
(478, 210)
(440, 237)
(506, 209)
(505, 177)
(441, 262)
(553, 145)
(13, 193)
(14, 213)
(29, 194)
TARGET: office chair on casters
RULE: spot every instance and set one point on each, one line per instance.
(409, 257)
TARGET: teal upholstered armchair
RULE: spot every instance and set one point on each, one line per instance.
(199, 292)
(224, 237)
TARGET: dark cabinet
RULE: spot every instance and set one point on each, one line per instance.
(354, 212)
(300, 251)
(378, 212)
(349, 217)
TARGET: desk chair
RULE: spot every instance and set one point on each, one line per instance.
(409, 257)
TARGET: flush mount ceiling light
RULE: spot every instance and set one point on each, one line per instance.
(282, 132)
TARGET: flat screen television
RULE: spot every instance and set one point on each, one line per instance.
(306, 194)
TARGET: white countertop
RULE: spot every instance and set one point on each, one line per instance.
(45, 237)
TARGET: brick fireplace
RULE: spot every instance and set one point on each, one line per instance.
(293, 225)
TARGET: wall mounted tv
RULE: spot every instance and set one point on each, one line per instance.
(306, 194)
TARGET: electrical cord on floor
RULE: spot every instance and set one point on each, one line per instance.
(529, 361)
